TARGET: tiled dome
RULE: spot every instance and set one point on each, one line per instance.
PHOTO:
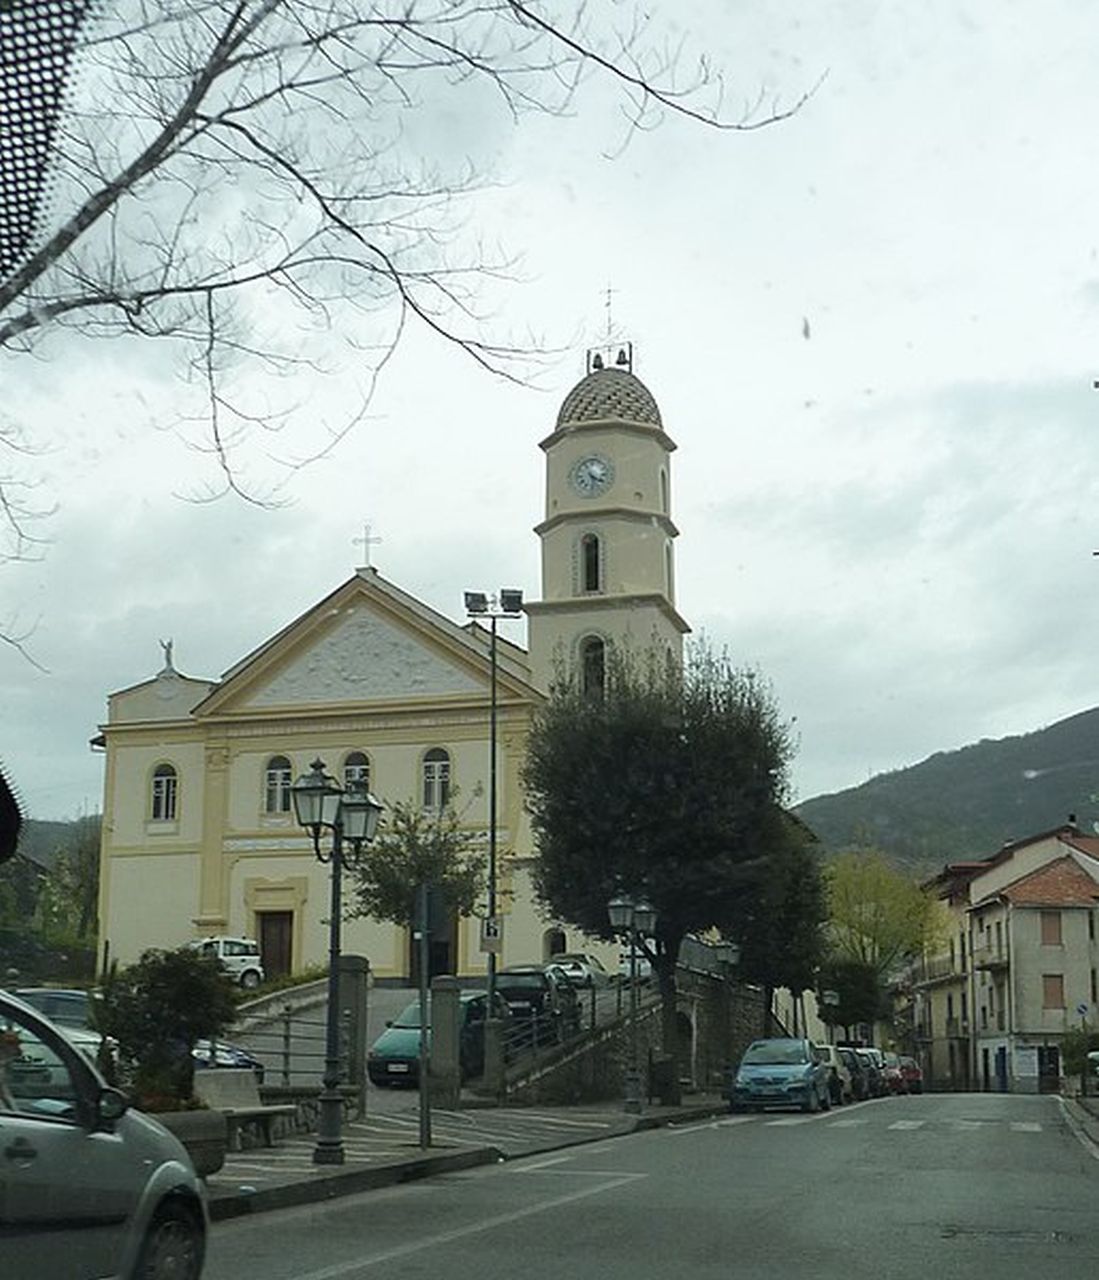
(609, 393)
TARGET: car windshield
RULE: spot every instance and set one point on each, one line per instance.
(409, 1016)
(776, 1052)
(520, 982)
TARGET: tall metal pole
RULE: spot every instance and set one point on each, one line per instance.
(425, 1020)
(492, 815)
(633, 1078)
(329, 1148)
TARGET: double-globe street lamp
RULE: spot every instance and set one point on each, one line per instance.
(632, 918)
(507, 603)
(351, 814)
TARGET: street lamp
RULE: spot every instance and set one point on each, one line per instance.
(479, 604)
(351, 814)
(632, 918)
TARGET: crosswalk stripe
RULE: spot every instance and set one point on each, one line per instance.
(908, 1124)
(845, 1124)
(787, 1121)
(1025, 1126)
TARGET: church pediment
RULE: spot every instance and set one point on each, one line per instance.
(367, 643)
(362, 657)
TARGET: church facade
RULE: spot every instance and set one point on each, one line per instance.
(199, 836)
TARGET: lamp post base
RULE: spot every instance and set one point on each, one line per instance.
(329, 1148)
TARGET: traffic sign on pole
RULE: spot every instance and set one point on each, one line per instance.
(492, 935)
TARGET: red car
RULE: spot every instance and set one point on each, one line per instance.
(893, 1075)
(913, 1074)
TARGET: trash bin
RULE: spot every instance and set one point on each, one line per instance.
(661, 1077)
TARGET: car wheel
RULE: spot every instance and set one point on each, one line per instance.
(174, 1245)
(811, 1103)
(249, 979)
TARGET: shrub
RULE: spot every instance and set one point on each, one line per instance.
(155, 1010)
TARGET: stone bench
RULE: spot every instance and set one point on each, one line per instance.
(233, 1091)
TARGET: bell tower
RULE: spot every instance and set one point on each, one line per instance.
(608, 559)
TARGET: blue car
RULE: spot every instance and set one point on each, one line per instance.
(785, 1072)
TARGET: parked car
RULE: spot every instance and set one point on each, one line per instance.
(64, 1007)
(858, 1071)
(239, 957)
(77, 1155)
(781, 1072)
(892, 1074)
(221, 1053)
(582, 970)
(541, 1002)
(913, 1074)
(394, 1058)
(840, 1085)
(875, 1078)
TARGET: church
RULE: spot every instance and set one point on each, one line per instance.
(199, 835)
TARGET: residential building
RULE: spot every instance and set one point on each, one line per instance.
(1020, 967)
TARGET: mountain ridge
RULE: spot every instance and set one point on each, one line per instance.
(967, 803)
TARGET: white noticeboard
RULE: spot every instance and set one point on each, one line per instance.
(492, 935)
(1026, 1060)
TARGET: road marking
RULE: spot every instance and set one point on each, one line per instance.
(542, 1164)
(968, 1126)
(1025, 1126)
(474, 1228)
(908, 1124)
(845, 1124)
(731, 1120)
(787, 1121)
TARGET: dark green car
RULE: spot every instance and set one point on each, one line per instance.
(394, 1058)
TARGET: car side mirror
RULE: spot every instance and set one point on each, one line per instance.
(389, 1022)
(110, 1106)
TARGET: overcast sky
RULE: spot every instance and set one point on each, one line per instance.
(870, 330)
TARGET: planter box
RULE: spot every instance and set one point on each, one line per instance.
(204, 1134)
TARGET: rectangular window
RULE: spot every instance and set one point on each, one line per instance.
(1094, 988)
(1091, 926)
(949, 1005)
(999, 938)
(984, 1016)
(277, 799)
(1051, 928)
(164, 798)
(1053, 991)
(965, 1007)
(961, 944)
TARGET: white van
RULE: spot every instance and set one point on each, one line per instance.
(239, 958)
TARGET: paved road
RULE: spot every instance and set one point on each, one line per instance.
(955, 1187)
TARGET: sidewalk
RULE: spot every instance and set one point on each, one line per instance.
(383, 1150)
(1084, 1112)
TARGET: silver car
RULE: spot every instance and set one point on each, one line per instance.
(88, 1188)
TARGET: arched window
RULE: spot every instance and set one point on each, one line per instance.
(165, 793)
(436, 779)
(593, 666)
(276, 792)
(663, 491)
(356, 769)
(590, 567)
(669, 571)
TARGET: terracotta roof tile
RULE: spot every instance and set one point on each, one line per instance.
(1062, 883)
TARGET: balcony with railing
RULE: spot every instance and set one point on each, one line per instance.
(935, 971)
(990, 957)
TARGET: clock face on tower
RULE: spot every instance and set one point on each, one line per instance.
(592, 476)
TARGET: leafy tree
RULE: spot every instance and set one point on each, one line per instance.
(413, 848)
(667, 787)
(156, 1010)
(780, 921)
(861, 992)
(878, 916)
(241, 178)
(70, 891)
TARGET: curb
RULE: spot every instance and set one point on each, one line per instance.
(348, 1182)
(1083, 1123)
